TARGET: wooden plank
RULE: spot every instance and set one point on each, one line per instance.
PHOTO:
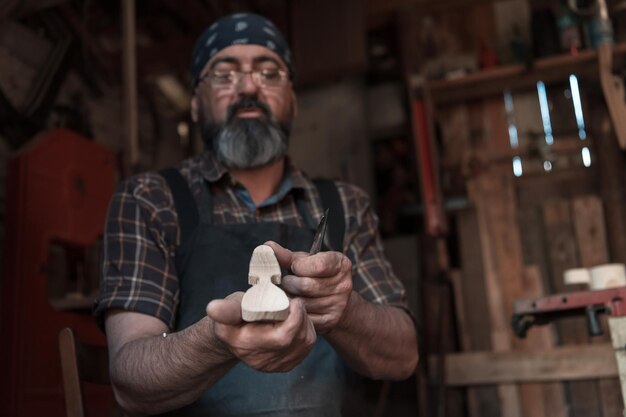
(459, 310)
(613, 88)
(557, 364)
(562, 251)
(590, 231)
(552, 394)
(563, 254)
(612, 184)
(473, 405)
(618, 338)
(481, 192)
(531, 234)
(496, 127)
(499, 204)
(473, 284)
(592, 246)
(454, 122)
(500, 339)
(436, 312)
(534, 190)
(477, 335)
(530, 220)
(611, 398)
(494, 199)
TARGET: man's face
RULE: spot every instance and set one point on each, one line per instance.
(245, 121)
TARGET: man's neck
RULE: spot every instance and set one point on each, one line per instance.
(261, 182)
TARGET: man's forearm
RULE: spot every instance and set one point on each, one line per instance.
(377, 341)
(157, 374)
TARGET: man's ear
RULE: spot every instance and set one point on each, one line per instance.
(194, 109)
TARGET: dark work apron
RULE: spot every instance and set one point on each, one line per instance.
(213, 263)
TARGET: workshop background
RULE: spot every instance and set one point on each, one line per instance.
(490, 135)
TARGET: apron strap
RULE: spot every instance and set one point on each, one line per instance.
(329, 194)
(303, 210)
(183, 201)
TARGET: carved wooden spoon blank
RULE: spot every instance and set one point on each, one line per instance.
(264, 301)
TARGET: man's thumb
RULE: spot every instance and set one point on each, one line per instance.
(226, 311)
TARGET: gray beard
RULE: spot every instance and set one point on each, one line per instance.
(246, 143)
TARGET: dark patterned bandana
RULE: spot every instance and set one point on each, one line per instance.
(238, 29)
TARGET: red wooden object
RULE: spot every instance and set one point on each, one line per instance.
(431, 194)
(57, 190)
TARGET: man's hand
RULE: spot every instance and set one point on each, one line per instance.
(267, 347)
(323, 281)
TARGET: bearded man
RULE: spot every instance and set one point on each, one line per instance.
(178, 242)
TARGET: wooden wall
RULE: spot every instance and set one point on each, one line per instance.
(515, 235)
(515, 239)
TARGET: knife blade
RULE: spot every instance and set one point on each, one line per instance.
(320, 233)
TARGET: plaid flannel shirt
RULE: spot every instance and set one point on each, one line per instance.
(142, 235)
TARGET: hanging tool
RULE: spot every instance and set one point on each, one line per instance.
(543, 310)
(612, 301)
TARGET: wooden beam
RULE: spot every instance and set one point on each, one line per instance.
(473, 394)
(376, 7)
(540, 399)
(129, 73)
(611, 167)
(483, 191)
(556, 364)
(613, 88)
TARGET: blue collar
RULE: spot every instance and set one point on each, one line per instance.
(285, 186)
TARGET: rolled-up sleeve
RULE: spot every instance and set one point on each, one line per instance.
(373, 276)
(140, 237)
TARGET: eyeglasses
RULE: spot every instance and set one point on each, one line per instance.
(262, 78)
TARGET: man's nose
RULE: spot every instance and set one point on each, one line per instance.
(247, 85)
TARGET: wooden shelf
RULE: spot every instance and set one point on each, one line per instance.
(517, 77)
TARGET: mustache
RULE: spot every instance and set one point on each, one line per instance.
(248, 103)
